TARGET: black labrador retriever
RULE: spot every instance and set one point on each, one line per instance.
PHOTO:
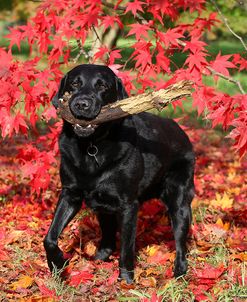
(117, 166)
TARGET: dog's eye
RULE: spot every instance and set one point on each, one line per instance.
(76, 84)
(100, 85)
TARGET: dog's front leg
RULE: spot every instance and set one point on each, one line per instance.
(68, 206)
(128, 220)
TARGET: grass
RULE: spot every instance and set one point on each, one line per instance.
(65, 292)
(219, 255)
(235, 290)
(174, 291)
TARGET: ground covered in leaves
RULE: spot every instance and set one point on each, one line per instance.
(217, 245)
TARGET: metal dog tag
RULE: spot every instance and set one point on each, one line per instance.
(92, 151)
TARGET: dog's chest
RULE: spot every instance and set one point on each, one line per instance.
(106, 190)
(98, 160)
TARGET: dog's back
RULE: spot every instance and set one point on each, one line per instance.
(163, 146)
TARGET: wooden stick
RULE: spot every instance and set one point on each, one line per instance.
(132, 105)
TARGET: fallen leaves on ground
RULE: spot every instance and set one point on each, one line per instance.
(217, 244)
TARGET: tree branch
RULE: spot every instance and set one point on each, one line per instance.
(132, 105)
(112, 6)
(81, 52)
(230, 79)
(227, 24)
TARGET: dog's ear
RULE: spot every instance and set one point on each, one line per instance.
(121, 92)
(60, 92)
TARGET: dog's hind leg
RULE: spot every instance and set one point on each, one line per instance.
(68, 206)
(108, 225)
(179, 192)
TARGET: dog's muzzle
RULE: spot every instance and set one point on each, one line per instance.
(85, 108)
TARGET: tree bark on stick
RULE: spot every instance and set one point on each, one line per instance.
(132, 105)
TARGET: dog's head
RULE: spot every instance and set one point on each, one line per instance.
(91, 87)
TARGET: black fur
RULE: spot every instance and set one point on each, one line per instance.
(139, 157)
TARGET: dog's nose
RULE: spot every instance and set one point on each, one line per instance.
(82, 104)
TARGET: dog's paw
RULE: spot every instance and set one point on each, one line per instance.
(180, 268)
(126, 275)
(103, 254)
(57, 261)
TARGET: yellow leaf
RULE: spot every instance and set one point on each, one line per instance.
(152, 271)
(33, 225)
(231, 175)
(14, 236)
(220, 222)
(23, 282)
(151, 250)
(90, 249)
(225, 226)
(240, 256)
(224, 202)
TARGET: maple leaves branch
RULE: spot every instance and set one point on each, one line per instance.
(216, 73)
(224, 19)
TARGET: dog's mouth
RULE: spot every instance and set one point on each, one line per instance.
(84, 131)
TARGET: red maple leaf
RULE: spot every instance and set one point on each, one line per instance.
(28, 32)
(44, 289)
(239, 134)
(5, 62)
(80, 277)
(114, 54)
(89, 17)
(166, 8)
(156, 12)
(196, 61)
(237, 59)
(169, 37)
(162, 61)
(109, 21)
(195, 45)
(200, 97)
(134, 6)
(15, 36)
(101, 52)
(193, 5)
(209, 272)
(12, 123)
(142, 55)
(207, 23)
(113, 278)
(222, 63)
(139, 30)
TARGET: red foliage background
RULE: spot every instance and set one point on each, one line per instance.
(58, 38)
